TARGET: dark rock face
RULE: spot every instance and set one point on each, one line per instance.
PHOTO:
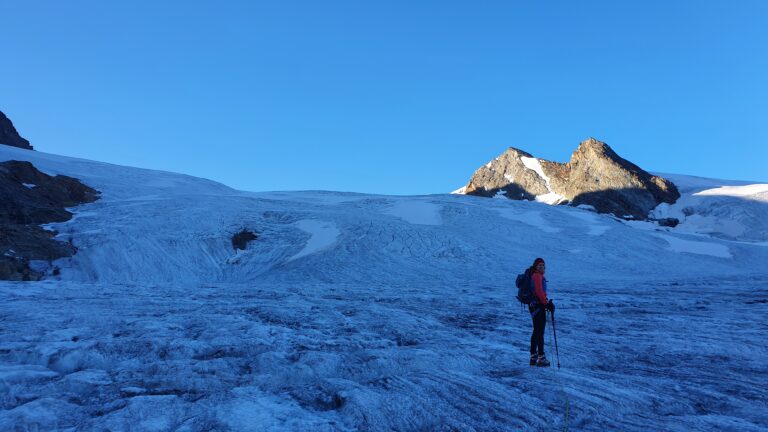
(601, 178)
(595, 175)
(29, 198)
(241, 239)
(9, 135)
(668, 222)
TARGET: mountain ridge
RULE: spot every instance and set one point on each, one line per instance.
(595, 175)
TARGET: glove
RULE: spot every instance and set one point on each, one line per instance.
(551, 306)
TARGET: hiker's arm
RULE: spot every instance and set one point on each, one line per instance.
(538, 288)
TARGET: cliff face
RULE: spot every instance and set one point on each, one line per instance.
(595, 176)
(507, 175)
(29, 198)
(9, 135)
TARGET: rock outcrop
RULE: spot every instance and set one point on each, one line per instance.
(595, 176)
(9, 135)
(29, 198)
(241, 239)
(507, 175)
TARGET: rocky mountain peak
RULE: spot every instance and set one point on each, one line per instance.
(9, 135)
(596, 175)
(593, 144)
(507, 175)
(592, 151)
(513, 151)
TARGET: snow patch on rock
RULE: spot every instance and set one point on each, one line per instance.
(548, 198)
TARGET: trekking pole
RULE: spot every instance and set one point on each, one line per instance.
(554, 333)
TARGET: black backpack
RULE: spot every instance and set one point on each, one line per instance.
(524, 287)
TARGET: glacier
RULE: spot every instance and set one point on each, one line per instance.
(378, 313)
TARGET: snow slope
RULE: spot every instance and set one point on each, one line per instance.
(727, 209)
(366, 312)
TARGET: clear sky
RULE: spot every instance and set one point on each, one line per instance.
(393, 97)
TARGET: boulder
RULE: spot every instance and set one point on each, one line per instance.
(29, 198)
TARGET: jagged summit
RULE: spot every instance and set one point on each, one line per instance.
(592, 150)
(596, 175)
(593, 143)
(9, 135)
(508, 175)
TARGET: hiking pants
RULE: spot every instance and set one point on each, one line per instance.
(539, 318)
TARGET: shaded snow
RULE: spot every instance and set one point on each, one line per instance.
(532, 218)
(697, 247)
(416, 212)
(757, 192)
(322, 236)
(596, 224)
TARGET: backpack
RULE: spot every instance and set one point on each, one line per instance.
(524, 287)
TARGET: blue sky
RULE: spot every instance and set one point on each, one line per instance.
(395, 97)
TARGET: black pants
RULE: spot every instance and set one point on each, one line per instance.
(539, 319)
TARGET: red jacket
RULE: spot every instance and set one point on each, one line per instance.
(539, 287)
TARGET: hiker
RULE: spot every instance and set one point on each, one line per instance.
(538, 309)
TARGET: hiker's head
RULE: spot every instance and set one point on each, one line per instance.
(538, 265)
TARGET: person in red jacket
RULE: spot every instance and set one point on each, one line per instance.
(538, 309)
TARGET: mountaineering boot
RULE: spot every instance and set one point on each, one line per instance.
(542, 361)
(534, 359)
